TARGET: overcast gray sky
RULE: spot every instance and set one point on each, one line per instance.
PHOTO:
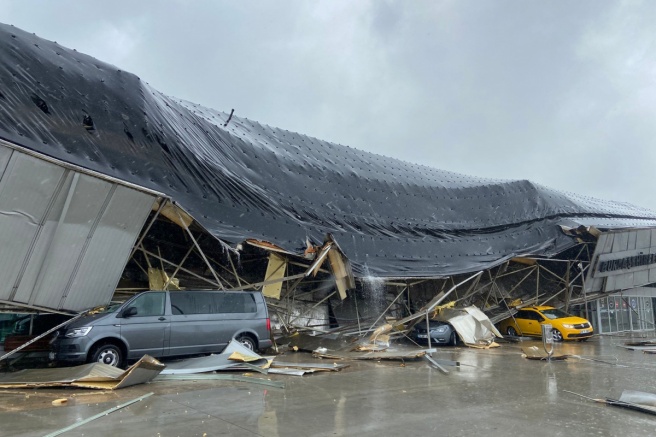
(562, 93)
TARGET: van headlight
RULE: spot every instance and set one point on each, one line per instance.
(78, 332)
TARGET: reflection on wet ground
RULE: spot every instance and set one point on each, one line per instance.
(494, 392)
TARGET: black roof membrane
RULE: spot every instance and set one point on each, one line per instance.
(247, 180)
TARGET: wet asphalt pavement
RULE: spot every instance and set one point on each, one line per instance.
(494, 392)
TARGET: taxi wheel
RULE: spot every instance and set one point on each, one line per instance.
(557, 336)
(511, 331)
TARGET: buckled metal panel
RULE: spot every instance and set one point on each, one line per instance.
(65, 235)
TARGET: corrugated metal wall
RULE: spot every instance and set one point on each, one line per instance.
(65, 236)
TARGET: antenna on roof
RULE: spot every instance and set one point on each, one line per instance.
(229, 118)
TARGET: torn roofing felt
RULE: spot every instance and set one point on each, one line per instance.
(247, 180)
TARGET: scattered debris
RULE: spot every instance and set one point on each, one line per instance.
(60, 402)
(630, 399)
(536, 353)
(437, 364)
(95, 375)
(220, 377)
(310, 343)
(99, 415)
(341, 349)
(647, 346)
(389, 354)
(299, 369)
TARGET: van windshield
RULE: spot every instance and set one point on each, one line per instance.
(106, 308)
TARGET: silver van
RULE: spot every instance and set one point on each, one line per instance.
(166, 324)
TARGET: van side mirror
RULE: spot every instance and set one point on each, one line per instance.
(129, 312)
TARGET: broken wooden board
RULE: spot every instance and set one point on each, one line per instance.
(95, 376)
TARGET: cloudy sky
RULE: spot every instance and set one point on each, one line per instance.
(562, 93)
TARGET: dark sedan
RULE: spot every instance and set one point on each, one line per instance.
(440, 333)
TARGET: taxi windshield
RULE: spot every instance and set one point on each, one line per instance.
(554, 313)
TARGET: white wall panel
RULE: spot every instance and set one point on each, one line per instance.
(643, 238)
(65, 236)
(26, 190)
(109, 248)
(84, 203)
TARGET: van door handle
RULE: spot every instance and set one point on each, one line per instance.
(162, 318)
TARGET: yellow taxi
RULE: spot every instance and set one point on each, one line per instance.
(528, 321)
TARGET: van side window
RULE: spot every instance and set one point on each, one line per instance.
(212, 303)
(237, 303)
(149, 304)
(198, 302)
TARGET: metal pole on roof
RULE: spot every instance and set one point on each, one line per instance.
(200, 251)
(537, 283)
(357, 313)
(436, 301)
(196, 275)
(150, 225)
(234, 270)
(585, 295)
(388, 308)
(428, 333)
(177, 268)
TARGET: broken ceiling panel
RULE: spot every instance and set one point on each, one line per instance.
(276, 271)
(341, 271)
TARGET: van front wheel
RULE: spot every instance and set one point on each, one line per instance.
(107, 353)
(246, 341)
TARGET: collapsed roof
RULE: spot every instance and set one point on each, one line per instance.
(243, 180)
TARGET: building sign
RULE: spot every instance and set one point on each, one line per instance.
(609, 264)
(623, 260)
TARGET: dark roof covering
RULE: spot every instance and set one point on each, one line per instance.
(248, 180)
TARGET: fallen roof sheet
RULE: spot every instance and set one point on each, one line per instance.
(234, 356)
(471, 324)
(95, 375)
(244, 180)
